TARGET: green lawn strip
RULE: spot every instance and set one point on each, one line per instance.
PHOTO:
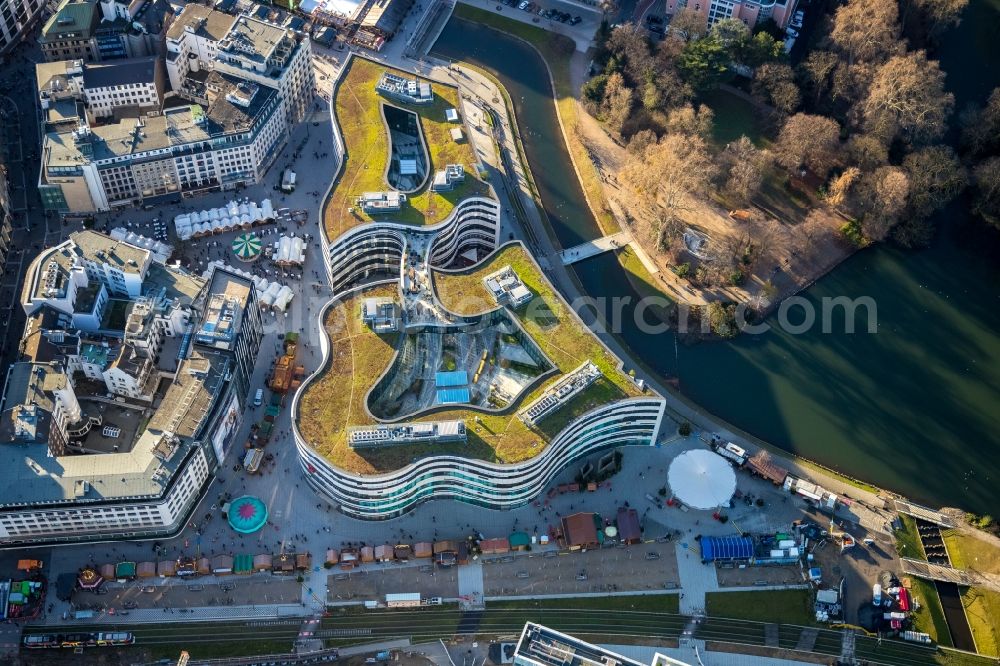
(223, 646)
(929, 617)
(781, 606)
(908, 539)
(359, 116)
(556, 50)
(982, 609)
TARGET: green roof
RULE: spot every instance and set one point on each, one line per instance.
(243, 563)
(71, 17)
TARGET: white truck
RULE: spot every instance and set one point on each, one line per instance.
(288, 181)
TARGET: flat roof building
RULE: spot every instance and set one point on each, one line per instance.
(145, 482)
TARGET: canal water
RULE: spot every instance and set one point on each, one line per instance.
(914, 407)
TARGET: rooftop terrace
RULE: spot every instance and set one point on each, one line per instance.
(360, 120)
(335, 401)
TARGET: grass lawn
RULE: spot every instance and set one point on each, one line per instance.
(929, 618)
(734, 117)
(781, 606)
(556, 51)
(982, 608)
(334, 401)
(359, 116)
(968, 552)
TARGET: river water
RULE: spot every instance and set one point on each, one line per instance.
(914, 407)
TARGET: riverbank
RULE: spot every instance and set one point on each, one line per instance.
(681, 409)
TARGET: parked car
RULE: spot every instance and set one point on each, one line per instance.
(575, 20)
(791, 32)
(523, 5)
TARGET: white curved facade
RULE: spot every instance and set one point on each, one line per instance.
(634, 421)
(377, 248)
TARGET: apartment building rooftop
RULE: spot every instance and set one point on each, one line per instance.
(33, 477)
(96, 247)
(201, 21)
(43, 341)
(237, 109)
(54, 78)
(200, 377)
(173, 284)
(120, 72)
(28, 402)
(254, 39)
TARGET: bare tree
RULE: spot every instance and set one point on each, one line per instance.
(986, 176)
(688, 25)
(817, 70)
(640, 141)
(840, 187)
(907, 98)
(867, 151)
(685, 120)
(746, 167)
(867, 30)
(940, 14)
(667, 174)
(630, 46)
(808, 140)
(889, 189)
(936, 177)
(981, 127)
(774, 83)
(617, 103)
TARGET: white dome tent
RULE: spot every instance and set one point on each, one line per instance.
(701, 479)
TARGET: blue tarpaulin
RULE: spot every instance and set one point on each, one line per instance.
(726, 548)
(452, 396)
(454, 378)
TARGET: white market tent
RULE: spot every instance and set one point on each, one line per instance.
(232, 216)
(701, 479)
(161, 251)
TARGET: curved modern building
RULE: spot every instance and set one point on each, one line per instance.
(377, 249)
(634, 421)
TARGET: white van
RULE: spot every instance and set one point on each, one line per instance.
(258, 399)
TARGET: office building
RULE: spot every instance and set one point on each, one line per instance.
(201, 40)
(17, 17)
(185, 150)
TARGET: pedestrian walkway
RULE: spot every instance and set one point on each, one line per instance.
(697, 579)
(470, 586)
(593, 248)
